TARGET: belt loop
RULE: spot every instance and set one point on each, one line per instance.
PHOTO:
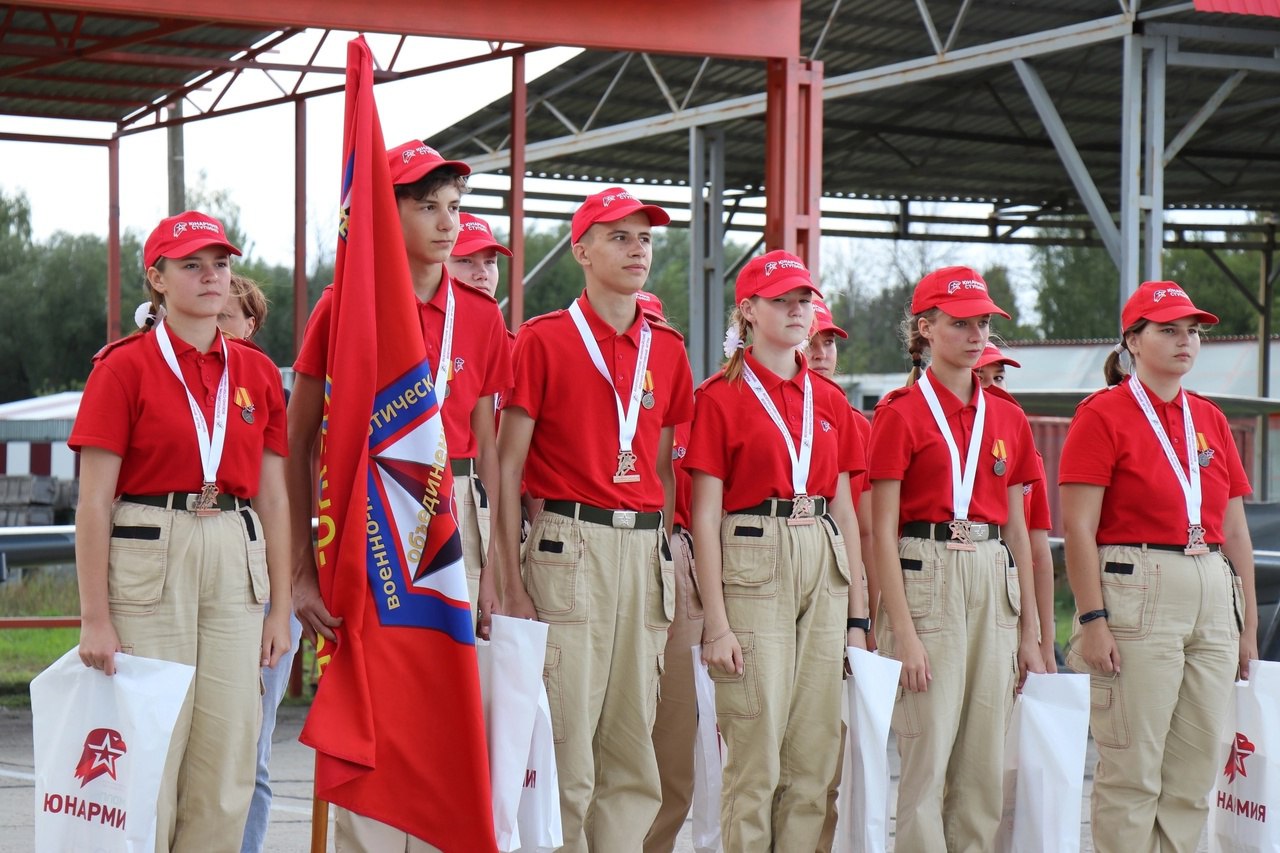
(169, 502)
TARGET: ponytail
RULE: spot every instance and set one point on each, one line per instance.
(909, 330)
(146, 315)
(735, 342)
(1114, 369)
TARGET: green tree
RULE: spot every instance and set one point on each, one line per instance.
(16, 254)
(1078, 293)
(1001, 289)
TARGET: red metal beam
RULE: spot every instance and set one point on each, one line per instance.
(106, 47)
(113, 239)
(793, 158)
(705, 28)
(519, 109)
(301, 305)
(39, 622)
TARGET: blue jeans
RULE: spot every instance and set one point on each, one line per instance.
(274, 681)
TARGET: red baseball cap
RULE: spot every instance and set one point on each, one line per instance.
(611, 205)
(959, 291)
(772, 274)
(1161, 302)
(991, 355)
(475, 235)
(823, 321)
(651, 305)
(183, 235)
(413, 160)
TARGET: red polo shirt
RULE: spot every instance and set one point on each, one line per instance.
(684, 480)
(735, 440)
(134, 407)
(1110, 444)
(862, 482)
(906, 446)
(481, 354)
(1035, 501)
(573, 454)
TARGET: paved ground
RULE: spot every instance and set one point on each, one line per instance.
(291, 770)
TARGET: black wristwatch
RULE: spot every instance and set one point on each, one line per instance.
(1086, 618)
(863, 622)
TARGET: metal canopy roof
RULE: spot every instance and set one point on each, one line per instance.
(922, 102)
(102, 66)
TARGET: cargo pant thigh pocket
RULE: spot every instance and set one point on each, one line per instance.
(660, 607)
(1107, 722)
(907, 713)
(256, 552)
(554, 574)
(924, 584)
(839, 578)
(1236, 619)
(739, 695)
(138, 561)
(552, 681)
(1009, 591)
(749, 556)
(1129, 593)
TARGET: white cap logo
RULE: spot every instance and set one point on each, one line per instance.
(610, 199)
(965, 284)
(179, 228)
(1169, 291)
(410, 153)
(474, 226)
(771, 266)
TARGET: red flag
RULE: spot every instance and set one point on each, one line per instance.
(397, 723)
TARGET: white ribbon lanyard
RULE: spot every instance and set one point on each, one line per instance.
(961, 478)
(1189, 482)
(446, 347)
(799, 461)
(210, 444)
(629, 417)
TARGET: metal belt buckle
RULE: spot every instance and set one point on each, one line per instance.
(625, 518)
(802, 511)
(979, 531)
(960, 539)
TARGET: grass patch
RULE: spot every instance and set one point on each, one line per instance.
(25, 652)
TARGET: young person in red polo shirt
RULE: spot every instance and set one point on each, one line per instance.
(947, 466)
(599, 391)
(1035, 506)
(178, 430)
(675, 726)
(474, 261)
(775, 537)
(466, 342)
(1161, 564)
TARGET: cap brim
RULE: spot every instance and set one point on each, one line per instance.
(996, 359)
(964, 308)
(787, 285)
(417, 173)
(657, 216)
(1177, 312)
(190, 247)
(839, 332)
(463, 249)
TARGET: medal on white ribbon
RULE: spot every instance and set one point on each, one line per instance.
(1188, 482)
(629, 417)
(802, 504)
(210, 443)
(961, 478)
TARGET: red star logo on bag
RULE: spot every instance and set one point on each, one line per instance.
(102, 748)
(1240, 750)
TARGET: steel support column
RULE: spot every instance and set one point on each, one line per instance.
(1152, 267)
(519, 124)
(1267, 296)
(301, 299)
(113, 239)
(706, 249)
(1130, 167)
(793, 158)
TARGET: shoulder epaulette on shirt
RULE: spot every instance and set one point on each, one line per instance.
(830, 382)
(718, 376)
(997, 391)
(550, 315)
(472, 289)
(895, 394)
(1088, 400)
(670, 330)
(114, 345)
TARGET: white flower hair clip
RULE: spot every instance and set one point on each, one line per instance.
(732, 340)
(143, 317)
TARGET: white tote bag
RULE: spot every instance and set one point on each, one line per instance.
(1044, 755)
(862, 804)
(100, 747)
(1244, 807)
(540, 827)
(510, 683)
(708, 761)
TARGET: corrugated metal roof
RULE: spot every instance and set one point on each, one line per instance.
(968, 136)
(106, 67)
